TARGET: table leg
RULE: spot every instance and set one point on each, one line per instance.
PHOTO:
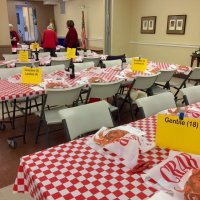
(198, 62)
(192, 61)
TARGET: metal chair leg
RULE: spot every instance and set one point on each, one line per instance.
(38, 131)
(25, 120)
(14, 110)
(10, 119)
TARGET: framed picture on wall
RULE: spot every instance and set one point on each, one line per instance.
(148, 25)
(176, 24)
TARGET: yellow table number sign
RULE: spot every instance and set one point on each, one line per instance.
(71, 53)
(139, 64)
(181, 135)
(31, 75)
(23, 56)
(35, 46)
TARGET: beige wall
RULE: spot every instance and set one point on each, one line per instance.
(5, 45)
(5, 35)
(94, 20)
(161, 46)
(44, 14)
(121, 24)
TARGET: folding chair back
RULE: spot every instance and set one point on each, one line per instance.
(61, 54)
(61, 97)
(63, 49)
(104, 90)
(43, 54)
(112, 63)
(144, 82)
(27, 64)
(82, 66)
(165, 75)
(94, 60)
(81, 52)
(61, 62)
(76, 122)
(10, 56)
(153, 104)
(128, 60)
(191, 94)
(3, 66)
(195, 75)
(50, 69)
(121, 57)
(8, 72)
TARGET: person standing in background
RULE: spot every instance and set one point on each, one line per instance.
(52, 22)
(50, 40)
(13, 37)
(71, 39)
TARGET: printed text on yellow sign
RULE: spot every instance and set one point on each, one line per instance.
(182, 135)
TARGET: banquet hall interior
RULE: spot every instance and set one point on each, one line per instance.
(162, 36)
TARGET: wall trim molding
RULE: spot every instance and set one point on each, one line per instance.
(166, 44)
(5, 46)
(95, 39)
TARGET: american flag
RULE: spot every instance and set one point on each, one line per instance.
(83, 35)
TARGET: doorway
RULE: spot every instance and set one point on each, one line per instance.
(27, 23)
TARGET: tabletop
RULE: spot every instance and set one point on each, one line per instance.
(75, 171)
(11, 90)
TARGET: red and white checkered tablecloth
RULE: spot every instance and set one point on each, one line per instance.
(11, 91)
(75, 171)
(108, 75)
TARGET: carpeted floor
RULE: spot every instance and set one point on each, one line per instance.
(6, 193)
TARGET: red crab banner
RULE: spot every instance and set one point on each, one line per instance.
(123, 144)
(177, 174)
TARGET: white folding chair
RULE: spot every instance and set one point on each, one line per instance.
(105, 91)
(112, 63)
(81, 66)
(153, 104)
(3, 66)
(8, 72)
(27, 64)
(143, 83)
(128, 60)
(95, 60)
(76, 123)
(10, 56)
(116, 57)
(61, 62)
(194, 75)
(59, 98)
(50, 69)
(80, 52)
(61, 54)
(43, 54)
(162, 82)
(191, 94)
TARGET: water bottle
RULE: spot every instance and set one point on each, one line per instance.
(71, 70)
(36, 55)
(181, 113)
